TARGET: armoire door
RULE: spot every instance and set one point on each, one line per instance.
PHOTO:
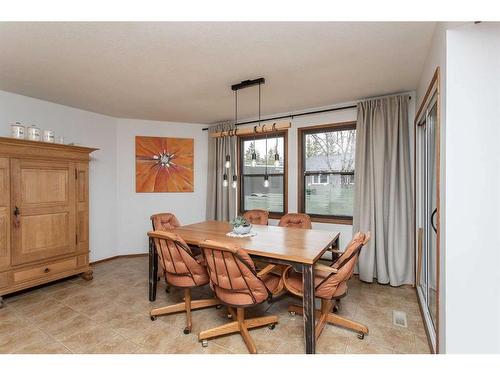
(43, 208)
(4, 214)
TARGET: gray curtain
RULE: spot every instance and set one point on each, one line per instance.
(383, 202)
(221, 201)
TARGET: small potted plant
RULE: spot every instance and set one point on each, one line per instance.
(241, 225)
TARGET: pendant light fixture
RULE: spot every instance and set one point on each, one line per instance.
(254, 154)
(266, 177)
(276, 155)
(227, 162)
(225, 182)
(234, 184)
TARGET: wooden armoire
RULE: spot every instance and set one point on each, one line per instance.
(44, 213)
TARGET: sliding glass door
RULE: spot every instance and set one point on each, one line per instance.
(427, 213)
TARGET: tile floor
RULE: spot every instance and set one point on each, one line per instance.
(110, 314)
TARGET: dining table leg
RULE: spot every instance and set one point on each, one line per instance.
(308, 303)
(153, 271)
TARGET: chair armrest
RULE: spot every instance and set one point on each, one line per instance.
(266, 270)
(322, 267)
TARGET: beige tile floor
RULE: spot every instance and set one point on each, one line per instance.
(110, 314)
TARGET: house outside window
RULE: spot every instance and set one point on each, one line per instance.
(326, 171)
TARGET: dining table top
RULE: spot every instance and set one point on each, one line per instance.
(291, 244)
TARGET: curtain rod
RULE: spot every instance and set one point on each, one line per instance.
(303, 113)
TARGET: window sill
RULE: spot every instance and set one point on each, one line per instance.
(328, 220)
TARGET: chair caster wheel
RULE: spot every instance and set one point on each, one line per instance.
(271, 326)
(187, 331)
(218, 306)
(361, 336)
(153, 317)
(292, 313)
(204, 343)
(167, 290)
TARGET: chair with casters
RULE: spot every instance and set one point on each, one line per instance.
(257, 216)
(164, 221)
(295, 220)
(330, 286)
(182, 270)
(238, 285)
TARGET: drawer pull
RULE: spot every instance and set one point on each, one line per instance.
(46, 270)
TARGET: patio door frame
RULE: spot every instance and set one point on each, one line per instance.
(431, 98)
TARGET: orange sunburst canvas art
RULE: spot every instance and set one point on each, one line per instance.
(163, 164)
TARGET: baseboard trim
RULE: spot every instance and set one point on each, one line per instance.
(118, 256)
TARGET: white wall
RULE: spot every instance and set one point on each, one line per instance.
(87, 129)
(472, 189)
(134, 209)
(119, 217)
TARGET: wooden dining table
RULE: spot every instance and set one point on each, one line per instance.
(299, 248)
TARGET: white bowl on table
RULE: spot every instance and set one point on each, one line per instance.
(242, 229)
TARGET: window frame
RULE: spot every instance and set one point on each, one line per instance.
(302, 174)
(240, 192)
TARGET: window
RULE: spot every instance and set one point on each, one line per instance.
(253, 193)
(326, 166)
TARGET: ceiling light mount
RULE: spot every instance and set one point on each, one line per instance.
(248, 83)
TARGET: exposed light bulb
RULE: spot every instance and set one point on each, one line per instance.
(228, 162)
(276, 160)
(266, 181)
(235, 182)
(225, 183)
(254, 159)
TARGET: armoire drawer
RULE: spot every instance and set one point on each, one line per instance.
(4, 280)
(44, 270)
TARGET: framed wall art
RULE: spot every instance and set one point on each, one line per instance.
(164, 165)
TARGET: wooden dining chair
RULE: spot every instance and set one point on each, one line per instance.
(295, 220)
(257, 216)
(238, 285)
(330, 285)
(182, 270)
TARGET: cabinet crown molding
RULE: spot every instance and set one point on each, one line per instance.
(36, 149)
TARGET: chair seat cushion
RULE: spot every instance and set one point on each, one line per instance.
(243, 299)
(272, 282)
(295, 285)
(186, 281)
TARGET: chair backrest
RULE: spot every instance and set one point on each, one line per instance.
(164, 221)
(177, 260)
(232, 274)
(296, 221)
(358, 237)
(345, 268)
(257, 216)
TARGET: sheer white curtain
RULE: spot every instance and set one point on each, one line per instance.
(221, 201)
(383, 202)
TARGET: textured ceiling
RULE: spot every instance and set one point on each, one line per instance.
(183, 71)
